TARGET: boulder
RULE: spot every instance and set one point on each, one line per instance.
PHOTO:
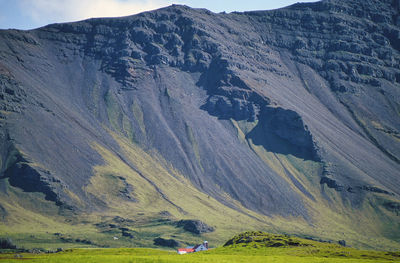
(342, 242)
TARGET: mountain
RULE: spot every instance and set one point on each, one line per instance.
(284, 120)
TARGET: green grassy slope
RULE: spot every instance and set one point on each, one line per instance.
(161, 196)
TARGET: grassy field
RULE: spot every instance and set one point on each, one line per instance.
(216, 255)
(246, 247)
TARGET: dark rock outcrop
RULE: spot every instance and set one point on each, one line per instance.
(22, 175)
(159, 241)
(392, 206)
(195, 226)
(3, 213)
(342, 243)
(127, 234)
(6, 243)
(331, 183)
(283, 131)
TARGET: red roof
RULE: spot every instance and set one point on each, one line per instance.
(187, 250)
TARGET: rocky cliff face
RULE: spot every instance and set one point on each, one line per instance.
(277, 113)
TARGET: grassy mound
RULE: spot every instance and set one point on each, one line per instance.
(262, 239)
(261, 243)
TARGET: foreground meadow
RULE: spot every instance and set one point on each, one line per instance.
(278, 255)
(245, 247)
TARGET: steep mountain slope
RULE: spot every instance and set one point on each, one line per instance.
(285, 120)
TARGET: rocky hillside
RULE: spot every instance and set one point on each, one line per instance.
(285, 119)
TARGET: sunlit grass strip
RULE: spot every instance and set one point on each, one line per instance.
(278, 255)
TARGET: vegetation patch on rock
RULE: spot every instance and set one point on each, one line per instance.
(262, 239)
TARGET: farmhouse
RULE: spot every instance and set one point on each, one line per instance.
(196, 248)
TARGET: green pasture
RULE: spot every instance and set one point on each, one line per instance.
(320, 254)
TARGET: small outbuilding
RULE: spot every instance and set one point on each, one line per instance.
(196, 248)
(182, 251)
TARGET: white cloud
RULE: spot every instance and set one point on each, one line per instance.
(50, 11)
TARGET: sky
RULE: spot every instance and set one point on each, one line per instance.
(29, 14)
